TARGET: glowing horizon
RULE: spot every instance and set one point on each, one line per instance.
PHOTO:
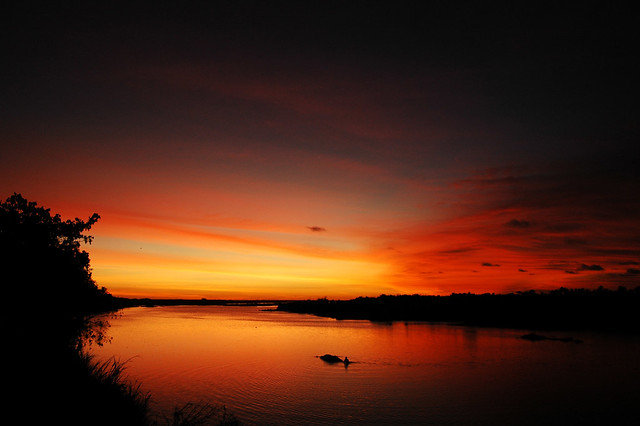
(344, 154)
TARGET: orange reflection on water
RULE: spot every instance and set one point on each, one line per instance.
(263, 366)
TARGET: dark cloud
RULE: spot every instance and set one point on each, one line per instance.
(490, 264)
(560, 209)
(584, 267)
(522, 270)
(459, 250)
(567, 195)
(630, 263)
(633, 271)
(316, 228)
(515, 223)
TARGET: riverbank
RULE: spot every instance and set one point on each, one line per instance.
(576, 309)
(123, 302)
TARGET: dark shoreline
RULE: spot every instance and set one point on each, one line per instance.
(562, 309)
(123, 302)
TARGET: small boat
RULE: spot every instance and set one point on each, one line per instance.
(332, 359)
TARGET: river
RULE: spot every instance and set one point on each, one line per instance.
(263, 366)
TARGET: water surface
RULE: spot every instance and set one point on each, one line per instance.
(263, 366)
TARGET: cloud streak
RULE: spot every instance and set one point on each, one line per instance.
(450, 138)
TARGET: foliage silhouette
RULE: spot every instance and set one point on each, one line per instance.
(53, 310)
(43, 264)
(56, 309)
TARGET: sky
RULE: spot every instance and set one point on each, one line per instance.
(266, 150)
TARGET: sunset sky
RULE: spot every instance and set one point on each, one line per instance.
(278, 150)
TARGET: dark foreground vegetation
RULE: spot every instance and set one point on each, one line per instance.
(575, 309)
(53, 310)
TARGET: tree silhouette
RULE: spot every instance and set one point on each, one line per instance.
(44, 268)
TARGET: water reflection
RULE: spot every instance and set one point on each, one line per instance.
(264, 367)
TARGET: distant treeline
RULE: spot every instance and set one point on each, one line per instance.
(599, 309)
(123, 302)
